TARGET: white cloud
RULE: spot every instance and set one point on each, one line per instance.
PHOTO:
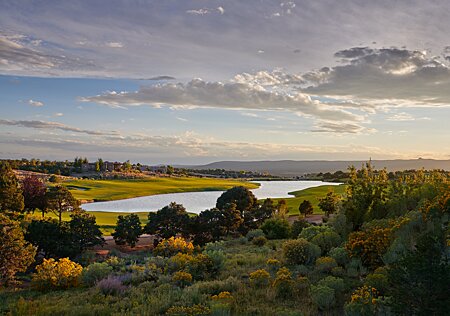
(221, 10)
(35, 103)
(115, 44)
(202, 11)
(201, 94)
(59, 114)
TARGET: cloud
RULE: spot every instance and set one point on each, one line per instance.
(201, 94)
(59, 114)
(16, 57)
(157, 78)
(35, 103)
(115, 44)
(340, 128)
(202, 11)
(385, 77)
(52, 126)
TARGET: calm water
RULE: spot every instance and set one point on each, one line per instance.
(196, 202)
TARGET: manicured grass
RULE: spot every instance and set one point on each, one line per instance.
(109, 190)
(313, 195)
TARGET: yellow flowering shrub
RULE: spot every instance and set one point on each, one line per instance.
(171, 246)
(52, 274)
(259, 278)
(222, 296)
(364, 295)
(283, 283)
(325, 264)
(182, 278)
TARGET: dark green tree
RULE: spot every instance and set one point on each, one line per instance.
(11, 198)
(128, 230)
(329, 203)
(16, 254)
(241, 196)
(306, 208)
(276, 228)
(85, 233)
(419, 283)
(60, 200)
(168, 221)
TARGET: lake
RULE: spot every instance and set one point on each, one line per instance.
(195, 202)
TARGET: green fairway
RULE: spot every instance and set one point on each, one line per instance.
(109, 190)
(311, 194)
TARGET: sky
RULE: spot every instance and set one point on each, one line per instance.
(192, 82)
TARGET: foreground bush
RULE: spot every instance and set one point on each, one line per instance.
(52, 274)
(188, 310)
(259, 278)
(276, 228)
(95, 272)
(112, 285)
(325, 264)
(322, 296)
(300, 251)
(283, 283)
(172, 246)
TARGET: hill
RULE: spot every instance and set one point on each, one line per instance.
(290, 168)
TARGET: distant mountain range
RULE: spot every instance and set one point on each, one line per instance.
(290, 168)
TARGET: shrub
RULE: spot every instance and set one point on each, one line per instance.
(338, 271)
(302, 284)
(112, 285)
(273, 264)
(276, 228)
(337, 284)
(327, 240)
(95, 272)
(182, 278)
(230, 284)
(310, 232)
(171, 246)
(297, 227)
(188, 310)
(322, 296)
(283, 283)
(254, 233)
(378, 281)
(363, 302)
(259, 241)
(60, 274)
(340, 255)
(300, 251)
(325, 264)
(178, 262)
(217, 257)
(259, 278)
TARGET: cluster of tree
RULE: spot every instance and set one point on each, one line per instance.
(223, 173)
(22, 238)
(42, 166)
(237, 211)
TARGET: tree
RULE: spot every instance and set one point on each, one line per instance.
(34, 194)
(85, 233)
(51, 238)
(328, 204)
(241, 196)
(168, 221)
(419, 283)
(60, 200)
(16, 254)
(11, 198)
(306, 208)
(128, 230)
(170, 169)
(276, 228)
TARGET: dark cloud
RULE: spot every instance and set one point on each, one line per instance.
(53, 126)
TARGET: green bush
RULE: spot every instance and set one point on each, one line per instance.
(322, 296)
(310, 232)
(95, 272)
(298, 226)
(327, 240)
(217, 257)
(378, 281)
(340, 255)
(338, 271)
(276, 228)
(337, 284)
(300, 251)
(259, 241)
(214, 287)
(254, 233)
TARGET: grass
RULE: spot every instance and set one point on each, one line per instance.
(313, 195)
(109, 190)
